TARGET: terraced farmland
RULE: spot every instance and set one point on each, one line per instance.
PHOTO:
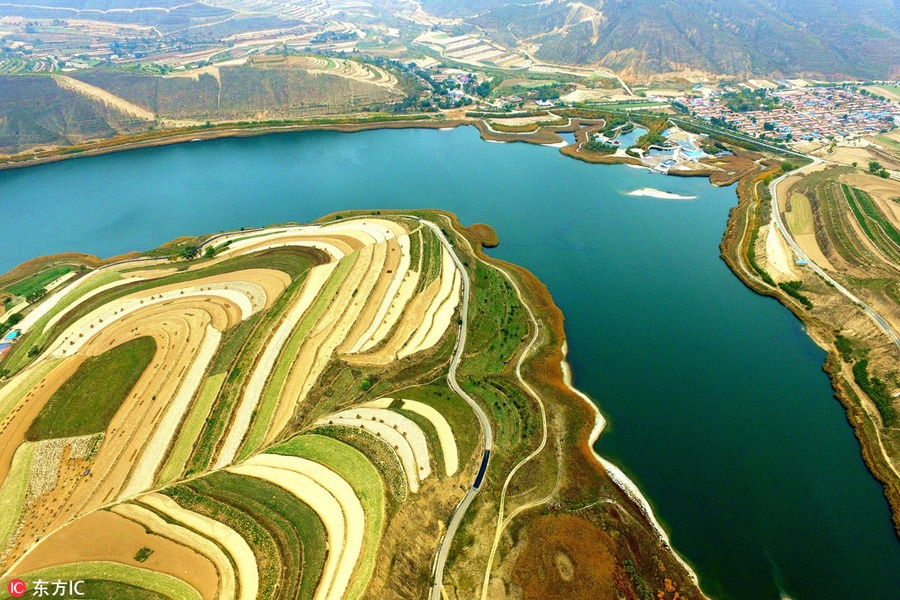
(171, 406)
(279, 417)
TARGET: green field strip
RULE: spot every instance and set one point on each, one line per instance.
(232, 342)
(376, 451)
(37, 281)
(415, 249)
(190, 429)
(12, 493)
(88, 400)
(196, 497)
(497, 322)
(879, 237)
(800, 217)
(870, 209)
(355, 468)
(300, 530)
(272, 393)
(159, 583)
(431, 258)
(858, 214)
(28, 383)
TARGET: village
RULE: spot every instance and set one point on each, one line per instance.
(796, 111)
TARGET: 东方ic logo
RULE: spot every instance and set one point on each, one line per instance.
(17, 588)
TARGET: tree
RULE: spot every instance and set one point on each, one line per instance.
(874, 167)
(769, 126)
(786, 166)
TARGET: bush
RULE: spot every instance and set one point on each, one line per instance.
(875, 389)
(844, 347)
(792, 288)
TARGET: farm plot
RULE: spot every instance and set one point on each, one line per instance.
(156, 405)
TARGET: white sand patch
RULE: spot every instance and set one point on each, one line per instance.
(276, 468)
(445, 433)
(396, 309)
(404, 437)
(229, 539)
(444, 315)
(316, 279)
(778, 256)
(653, 193)
(155, 451)
(203, 546)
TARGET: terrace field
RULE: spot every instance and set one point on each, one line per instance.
(271, 414)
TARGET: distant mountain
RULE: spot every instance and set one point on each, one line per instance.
(639, 38)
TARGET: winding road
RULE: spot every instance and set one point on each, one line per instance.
(776, 216)
(460, 510)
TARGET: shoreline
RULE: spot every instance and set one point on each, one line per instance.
(548, 367)
(625, 484)
(731, 250)
(545, 136)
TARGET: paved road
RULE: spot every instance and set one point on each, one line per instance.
(460, 511)
(776, 215)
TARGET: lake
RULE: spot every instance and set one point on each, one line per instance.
(717, 403)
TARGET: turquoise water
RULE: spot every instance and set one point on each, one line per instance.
(717, 403)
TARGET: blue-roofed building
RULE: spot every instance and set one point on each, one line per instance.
(11, 335)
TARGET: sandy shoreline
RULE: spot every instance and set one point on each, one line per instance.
(654, 193)
(628, 487)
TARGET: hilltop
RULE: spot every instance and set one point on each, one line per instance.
(643, 38)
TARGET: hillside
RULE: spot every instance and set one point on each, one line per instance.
(639, 38)
(41, 110)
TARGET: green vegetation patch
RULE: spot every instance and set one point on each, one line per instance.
(12, 493)
(114, 577)
(38, 281)
(844, 347)
(376, 451)
(354, 467)
(89, 399)
(497, 322)
(143, 554)
(799, 218)
(875, 389)
(294, 526)
(199, 496)
(792, 288)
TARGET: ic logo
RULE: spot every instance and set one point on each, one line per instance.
(17, 588)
